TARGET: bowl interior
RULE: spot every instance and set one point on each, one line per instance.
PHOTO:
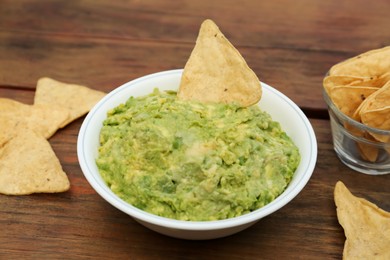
(282, 109)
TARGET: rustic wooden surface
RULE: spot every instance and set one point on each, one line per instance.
(289, 44)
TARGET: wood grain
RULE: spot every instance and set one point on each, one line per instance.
(106, 64)
(305, 24)
(289, 46)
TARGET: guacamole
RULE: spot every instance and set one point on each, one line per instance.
(194, 161)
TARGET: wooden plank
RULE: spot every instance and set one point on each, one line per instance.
(104, 45)
(305, 24)
(106, 64)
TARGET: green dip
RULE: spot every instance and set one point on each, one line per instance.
(194, 161)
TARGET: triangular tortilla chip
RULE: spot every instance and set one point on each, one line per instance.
(378, 81)
(349, 98)
(6, 129)
(76, 98)
(373, 63)
(217, 73)
(44, 119)
(329, 82)
(367, 151)
(366, 227)
(29, 165)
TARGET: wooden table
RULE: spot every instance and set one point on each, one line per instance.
(102, 44)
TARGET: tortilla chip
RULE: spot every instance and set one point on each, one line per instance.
(29, 165)
(373, 63)
(366, 227)
(379, 118)
(348, 98)
(77, 99)
(43, 119)
(375, 81)
(332, 81)
(217, 73)
(378, 100)
(367, 151)
(6, 129)
(375, 111)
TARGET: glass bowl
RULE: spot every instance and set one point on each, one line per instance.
(355, 144)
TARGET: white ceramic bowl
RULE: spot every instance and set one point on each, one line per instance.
(281, 108)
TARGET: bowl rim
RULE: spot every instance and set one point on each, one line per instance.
(114, 200)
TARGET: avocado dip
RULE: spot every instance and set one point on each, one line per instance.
(194, 161)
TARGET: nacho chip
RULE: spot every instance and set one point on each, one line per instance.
(378, 100)
(366, 226)
(6, 129)
(77, 99)
(216, 71)
(375, 81)
(375, 111)
(378, 118)
(29, 165)
(373, 63)
(333, 81)
(348, 98)
(368, 151)
(43, 119)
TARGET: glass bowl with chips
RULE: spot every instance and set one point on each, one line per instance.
(282, 109)
(361, 147)
(357, 92)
